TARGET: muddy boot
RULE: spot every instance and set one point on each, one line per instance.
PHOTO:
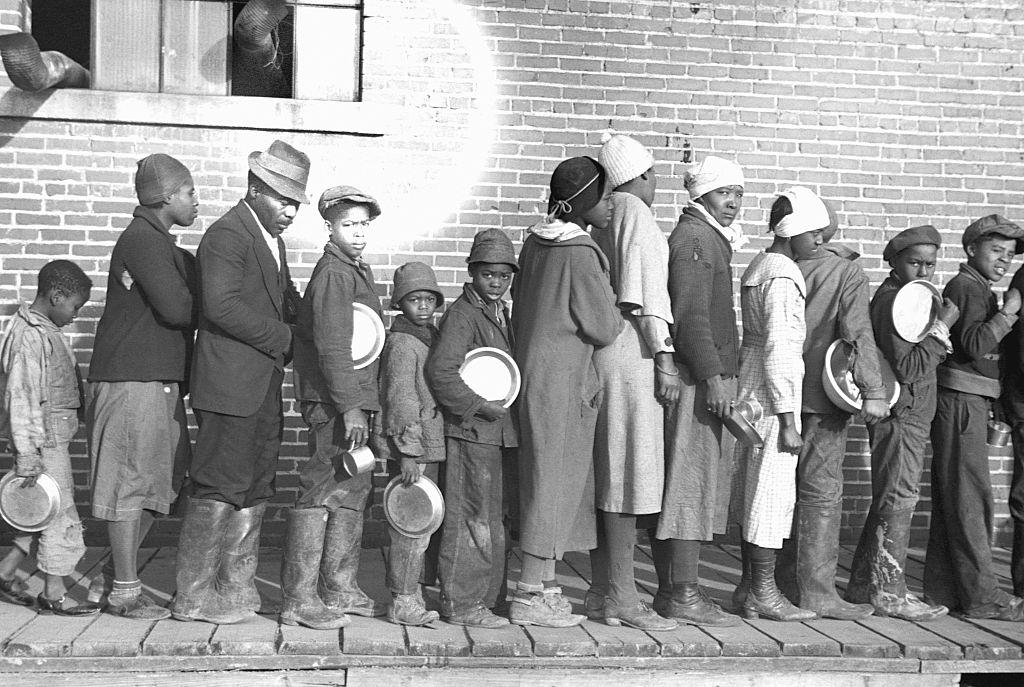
(816, 559)
(691, 604)
(409, 609)
(340, 565)
(886, 556)
(764, 598)
(859, 589)
(532, 606)
(739, 595)
(300, 570)
(237, 579)
(199, 557)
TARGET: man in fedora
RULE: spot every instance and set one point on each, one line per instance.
(244, 340)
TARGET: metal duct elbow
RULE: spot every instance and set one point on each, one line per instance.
(32, 70)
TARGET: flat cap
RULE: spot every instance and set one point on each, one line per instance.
(346, 194)
(913, 236)
(994, 224)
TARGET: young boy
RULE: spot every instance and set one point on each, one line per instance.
(39, 409)
(479, 436)
(412, 426)
(1012, 402)
(326, 526)
(958, 566)
(139, 441)
(898, 441)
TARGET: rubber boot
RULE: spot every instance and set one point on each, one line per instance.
(340, 565)
(763, 598)
(739, 595)
(1017, 559)
(199, 556)
(884, 556)
(859, 589)
(300, 570)
(237, 579)
(816, 558)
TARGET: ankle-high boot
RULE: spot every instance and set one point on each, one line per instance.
(816, 559)
(785, 562)
(763, 598)
(199, 556)
(241, 557)
(739, 594)
(339, 565)
(300, 570)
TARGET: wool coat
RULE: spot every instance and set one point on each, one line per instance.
(564, 308)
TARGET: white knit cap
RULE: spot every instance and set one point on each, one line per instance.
(623, 159)
(809, 213)
(713, 172)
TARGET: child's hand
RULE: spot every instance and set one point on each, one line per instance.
(948, 312)
(410, 471)
(874, 410)
(29, 465)
(790, 440)
(357, 432)
(492, 410)
(1011, 302)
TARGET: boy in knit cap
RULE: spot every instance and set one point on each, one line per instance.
(325, 529)
(480, 437)
(411, 425)
(139, 441)
(898, 442)
(958, 566)
(40, 406)
(638, 375)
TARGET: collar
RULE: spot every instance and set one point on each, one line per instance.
(358, 263)
(476, 299)
(969, 271)
(144, 213)
(36, 319)
(732, 234)
(402, 325)
(255, 217)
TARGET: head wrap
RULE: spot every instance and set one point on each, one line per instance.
(494, 246)
(624, 159)
(713, 172)
(809, 213)
(994, 224)
(576, 186)
(158, 177)
(913, 236)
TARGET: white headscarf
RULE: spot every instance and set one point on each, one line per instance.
(809, 213)
(713, 172)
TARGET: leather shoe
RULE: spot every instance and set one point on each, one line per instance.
(56, 607)
(12, 595)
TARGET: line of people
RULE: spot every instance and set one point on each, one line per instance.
(630, 359)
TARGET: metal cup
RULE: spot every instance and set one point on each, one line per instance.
(358, 460)
(998, 434)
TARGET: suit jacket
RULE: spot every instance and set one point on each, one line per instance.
(246, 307)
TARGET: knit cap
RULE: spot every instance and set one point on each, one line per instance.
(623, 158)
(492, 245)
(414, 276)
(713, 172)
(158, 177)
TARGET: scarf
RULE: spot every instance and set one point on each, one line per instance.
(732, 234)
(556, 230)
(427, 334)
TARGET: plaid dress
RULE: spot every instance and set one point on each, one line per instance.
(771, 371)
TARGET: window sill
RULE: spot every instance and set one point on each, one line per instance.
(205, 111)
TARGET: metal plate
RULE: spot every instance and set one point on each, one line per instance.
(367, 335)
(29, 509)
(915, 309)
(416, 510)
(492, 374)
(837, 378)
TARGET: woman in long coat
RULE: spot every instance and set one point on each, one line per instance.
(563, 308)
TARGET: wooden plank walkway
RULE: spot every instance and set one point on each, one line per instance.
(877, 648)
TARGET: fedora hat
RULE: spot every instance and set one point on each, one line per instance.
(283, 168)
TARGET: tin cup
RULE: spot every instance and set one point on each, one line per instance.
(358, 460)
(998, 434)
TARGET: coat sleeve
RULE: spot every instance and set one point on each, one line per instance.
(783, 373)
(690, 279)
(331, 298)
(153, 268)
(23, 393)
(910, 362)
(222, 269)
(401, 405)
(443, 363)
(975, 333)
(855, 326)
(591, 299)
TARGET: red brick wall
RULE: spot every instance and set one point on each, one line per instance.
(899, 112)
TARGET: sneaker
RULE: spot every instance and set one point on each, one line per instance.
(532, 608)
(478, 616)
(137, 607)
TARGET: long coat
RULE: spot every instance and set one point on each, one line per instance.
(243, 326)
(563, 307)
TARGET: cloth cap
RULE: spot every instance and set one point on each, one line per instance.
(809, 213)
(158, 177)
(994, 224)
(913, 236)
(414, 276)
(346, 194)
(576, 186)
(492, 245)
(623, 159)
(283, 168)
(713, 172)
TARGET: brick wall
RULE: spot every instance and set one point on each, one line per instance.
(899, 112)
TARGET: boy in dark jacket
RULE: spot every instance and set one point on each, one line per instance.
(479, 435)
(326, 526)
(958, 566)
